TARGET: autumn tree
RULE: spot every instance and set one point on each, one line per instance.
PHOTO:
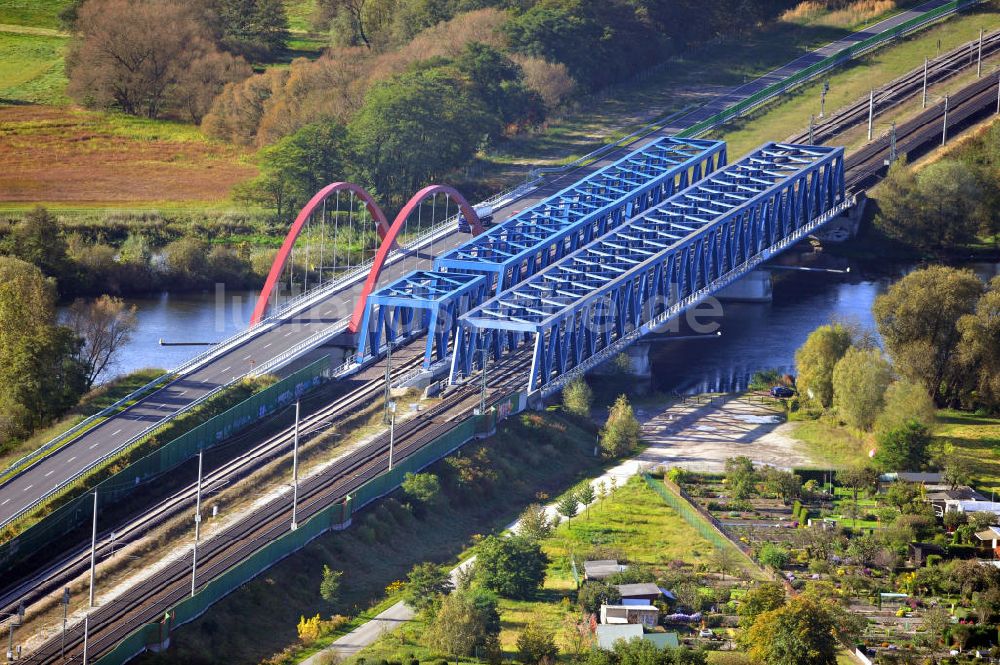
(467, 624)
(860, 380)
(620, 434)
(577, 397)
(799, 633)
(816, 358)
(979, 348)
(254, 29)
(144, 57)
(104, 326)
(905, 401)
(917, 319)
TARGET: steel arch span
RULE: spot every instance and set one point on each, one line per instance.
(381, 224)
(389, 240)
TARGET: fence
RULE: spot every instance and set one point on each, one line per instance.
(334, 515)
(853, 51)
(149, 468)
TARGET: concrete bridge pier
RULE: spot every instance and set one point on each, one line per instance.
(755, 286)
(639, 366)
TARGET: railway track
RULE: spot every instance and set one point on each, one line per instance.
(54, 577)
(144, 603)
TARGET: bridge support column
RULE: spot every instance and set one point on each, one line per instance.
(754, 287)
(639, 367)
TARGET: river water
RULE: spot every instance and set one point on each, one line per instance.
(754, 336)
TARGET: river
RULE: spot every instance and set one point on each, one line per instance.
(754, 336)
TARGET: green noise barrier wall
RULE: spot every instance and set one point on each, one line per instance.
(336, 515)
(150, 468)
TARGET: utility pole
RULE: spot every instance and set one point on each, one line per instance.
(892, 143)
(388, 379)
(979, 62)
(392, 430)
(482, 392)
(944, 125)
(11, 626)
(93, 551)
(86, 632)
(822, 99)
(812, 120)
(925, 82)
(295, 470)
(871, 112)
(65, 604)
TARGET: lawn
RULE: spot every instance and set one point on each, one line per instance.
(977, 437)
(31, 69)
(853, 82)
(37, 13)
(830, 445)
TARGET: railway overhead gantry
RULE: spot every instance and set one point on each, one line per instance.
(534, 238)
(602, 297)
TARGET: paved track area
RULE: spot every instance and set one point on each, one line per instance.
(25, 489)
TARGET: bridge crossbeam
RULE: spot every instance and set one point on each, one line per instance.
(698, 239)
(421, 300)
(533, 239)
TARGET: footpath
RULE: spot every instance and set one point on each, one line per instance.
(698, 434)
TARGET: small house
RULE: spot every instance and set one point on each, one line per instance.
(647, 592)
(646, 615)
(990, 539)
(979, 507)
(601, 569)
(920, 551)
(607, 635)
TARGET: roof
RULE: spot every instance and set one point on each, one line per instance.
(608, 634)
(648, 608)
(602, 568)
(979, 506)
(663, 640)
(913, 477)
(992, 533)
(644, 589)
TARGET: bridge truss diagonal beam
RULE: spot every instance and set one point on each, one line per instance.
(421, 300)
(534, 238)
(679, 251)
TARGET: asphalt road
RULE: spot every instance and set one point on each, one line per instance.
(26, 488)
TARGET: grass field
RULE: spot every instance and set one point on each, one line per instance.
(830, 445)
(63, 154)
(31, 69)
(38, 13)
(976, 437)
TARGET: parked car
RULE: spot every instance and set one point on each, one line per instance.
(782, 392)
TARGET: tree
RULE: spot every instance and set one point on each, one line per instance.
(979, 348)
(254, 29)
(904, 496)
(816, 358)
(724, 560)
(134, 54)
(425, 585)
(762, 598)
(595, 593)
(903, 448)
(800, 633)
(414, 128)
(329, 587)
(37, 239)
(422, 487)
(40, 376)
(741, 478)
(858, 478)
(578, 397)
(568, 506)
(773, 556)
(620, 434)
(936, 210)
(536, 645)
(296, 167)
(511, 567)
(187, 260)
(958, 470)
(467, 624)
(917, 319)
(860, 380)
(534, 522)
(106, 326)
(586, 496)
(499, 83)
(905, 401)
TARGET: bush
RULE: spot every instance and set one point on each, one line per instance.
(511, 567)
(536, 645)
(773, 556)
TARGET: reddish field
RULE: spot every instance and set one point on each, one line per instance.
(65, 155)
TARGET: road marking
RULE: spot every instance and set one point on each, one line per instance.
(266, 345)
(289, 333)
(95, 445)
(71, 458)
(248, 357)
(27, 488)
(226, 370)
(184, 392)
(5, 502)
(115, 433)
(50, 473)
